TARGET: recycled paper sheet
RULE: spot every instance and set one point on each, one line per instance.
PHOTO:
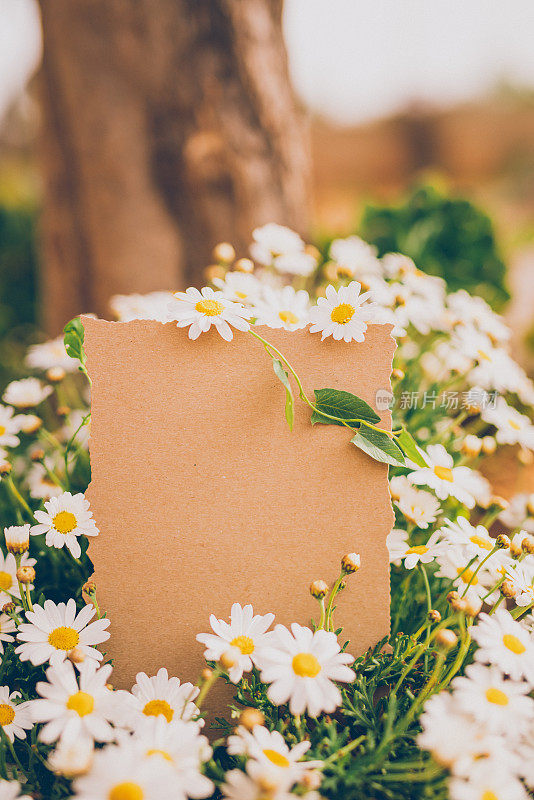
(204, 497)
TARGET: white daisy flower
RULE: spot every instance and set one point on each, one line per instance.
(302, 264)
(10, 790)
(419, 507)
(154, 305)
(522, 579)
(181, 745)
(301, 666)
(270, 755)
(66, 517)
(342, 314)
(400, 549)
(453, 562)
(9, 587)
(51, 355)
(472, 309)
(120, 772)
(239, 287)
(284, 308)
(503, 705)
(72, 758)
(512, 427)
(443, 477)
(246, 631)
(240, 786)
(475, 540)
(201, 309)
(54, 630)
(273, 240)
(40, 486)
(75, 707)
(356, 257)
(161, 696)
(399, 486)
(28, 423)
(504, 642)
(26, 393)
(15, 717)
(9, 427)
(488, 784)
(7, 628)
(520, 513)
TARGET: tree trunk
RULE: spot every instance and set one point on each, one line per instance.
(169, 125)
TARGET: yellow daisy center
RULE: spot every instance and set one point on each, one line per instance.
(162, 753)
(305, 665)
(288, 317)
(6, 581)
(211, 308)
(444, 473)
(468, 576)
(513, 643)
(276, 758)
(156, 707)
(342, 313)
(480, 542)
(63, 638)
(64, 522)
(489, 795)
(82, 703)
(7, 714)
(515, 425)
(2, 430)
(420, 549)
(244, 643)
(496, 696)
(126, 791)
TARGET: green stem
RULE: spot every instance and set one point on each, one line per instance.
(328, 622)
(481, 564)
(18, 497)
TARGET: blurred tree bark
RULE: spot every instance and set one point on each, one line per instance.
(169, 125)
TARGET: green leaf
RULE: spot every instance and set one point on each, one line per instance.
(73, 339)
(409, 447)
(280, 373)
(344, 405)
(378, 445)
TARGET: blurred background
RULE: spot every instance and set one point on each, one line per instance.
(135, 135)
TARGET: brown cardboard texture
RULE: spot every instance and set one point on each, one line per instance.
(203, 495)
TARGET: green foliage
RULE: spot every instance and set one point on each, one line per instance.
(347, 407)
(379, 445)
(446, 236)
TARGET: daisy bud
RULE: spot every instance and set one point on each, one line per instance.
(250, 717)
(312, 779)
(223, 253)
(515, 550)
(55, 374)
(489, 445)
(530, 505)
(397, 374)
(452, 596)
(230, 657)
(26, 575)
(319, 589)
(350, 563)
(17, 539)
(5, 468)
(434, 616)
(508, 589)
(446, 639)
(527, 545)
(459, 605)
(9, 608)
(471, 446)
(89, 588)
(525, 457)
(76, 656)
(502, 541)
(499, 502)
(63, 411)
(472, 606)
(37, 454)
(244, 265)
(206, 674)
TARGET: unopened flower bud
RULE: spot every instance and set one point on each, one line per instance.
(230, 658)
(472, 606)
(446, 639)
(350, 563)
(471, 446)
(459, 604)
(9, 608)
(250, 717)
(525, 457)
(26, 575)
(5, 468)
(502, 541)
(434, 616)
(452, 596)
(319, 589)
(489, 445)
(224, 253)
(206, 674)
(76, 656)
(37, 455)
(397, 374)
(527, 545)
(89, 588)
(244, 265)
(63, 411)
(17, 539)
(55, 374)
(499, 502)
(311, 779)
(515, 550)
(508, 589)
